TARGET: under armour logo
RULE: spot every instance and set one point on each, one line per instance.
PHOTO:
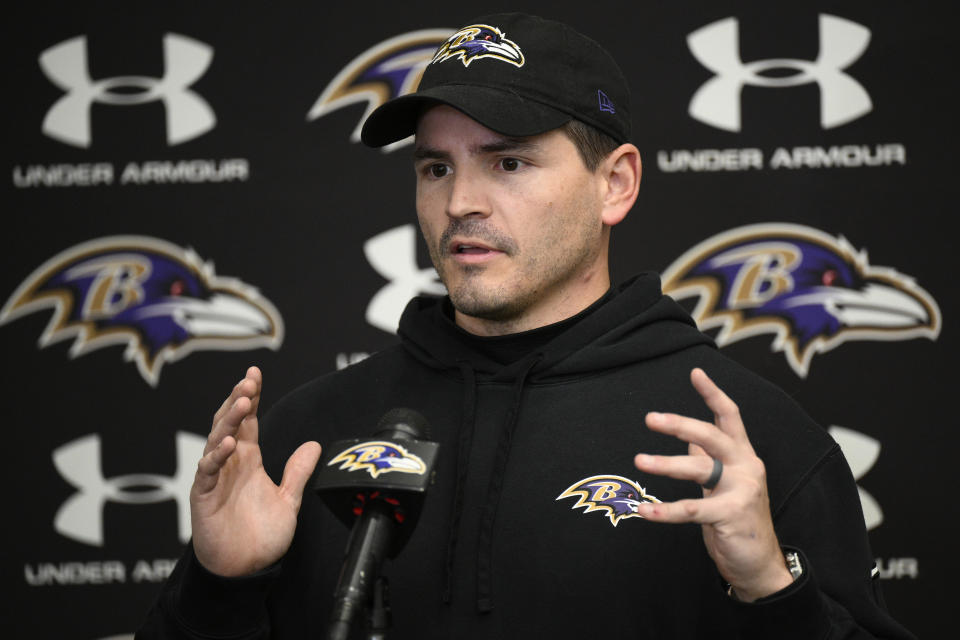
(81, 516)
(861, 452)
(185, 60)
(393, 254)
(717, 101)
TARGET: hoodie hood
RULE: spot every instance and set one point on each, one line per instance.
(636, 323)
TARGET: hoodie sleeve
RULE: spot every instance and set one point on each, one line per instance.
(838, 595)
(195, 604)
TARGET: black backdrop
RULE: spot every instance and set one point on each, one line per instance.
(219, 150)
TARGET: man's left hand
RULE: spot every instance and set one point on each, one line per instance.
(735, 514)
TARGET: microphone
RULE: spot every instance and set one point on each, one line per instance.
(376, 486)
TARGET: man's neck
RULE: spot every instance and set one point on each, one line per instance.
(508, 349)
(549, 310)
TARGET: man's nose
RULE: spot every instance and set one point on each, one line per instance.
(468, 197)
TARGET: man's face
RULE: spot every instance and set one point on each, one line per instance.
(513, 226)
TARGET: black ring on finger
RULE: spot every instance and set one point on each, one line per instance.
(714, 475)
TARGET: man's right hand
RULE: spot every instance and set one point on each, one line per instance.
(242, 521)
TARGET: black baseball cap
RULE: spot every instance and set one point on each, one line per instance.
(518, 75)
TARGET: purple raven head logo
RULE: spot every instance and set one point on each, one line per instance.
(812, 291)
(376, 457)
(614, 496)
(479, 41)
(385, 71)
(160, 300)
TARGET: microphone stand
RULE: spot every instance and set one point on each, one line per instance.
(380, 618)
(365, 552)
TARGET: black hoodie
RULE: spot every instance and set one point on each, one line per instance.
(506, 546)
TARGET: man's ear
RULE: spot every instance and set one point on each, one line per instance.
(620, 172)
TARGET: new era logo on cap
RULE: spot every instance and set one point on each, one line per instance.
(605, 103)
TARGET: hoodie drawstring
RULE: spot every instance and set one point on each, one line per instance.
(467, 421)
(487, 518)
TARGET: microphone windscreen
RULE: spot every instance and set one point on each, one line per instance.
(403, 424)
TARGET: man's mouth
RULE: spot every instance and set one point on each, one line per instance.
(470, 249)
(474, 242)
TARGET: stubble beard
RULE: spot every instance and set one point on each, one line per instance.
(540, 267)
(468, 294)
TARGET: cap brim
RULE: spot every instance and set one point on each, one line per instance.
(497, 109)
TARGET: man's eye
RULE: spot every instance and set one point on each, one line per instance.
(438, 170)
(509, 164)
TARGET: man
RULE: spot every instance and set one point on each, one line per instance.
(540, 382)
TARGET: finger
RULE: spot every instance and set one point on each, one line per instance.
(229, 424)
(227, 403)
(726, 412)
(701, 511)
(708, 437)
(240, 389)
(696, 468)
(697, 451)
(298, 470)
(249, 428)
(208, 469)
(254, 373)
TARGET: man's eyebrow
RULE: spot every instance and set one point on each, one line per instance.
(425, 153)
(508, 144)
(526, 145)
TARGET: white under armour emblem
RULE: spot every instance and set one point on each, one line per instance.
(393, 254)
(717, 101)
(81, 516)
(185, 60)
